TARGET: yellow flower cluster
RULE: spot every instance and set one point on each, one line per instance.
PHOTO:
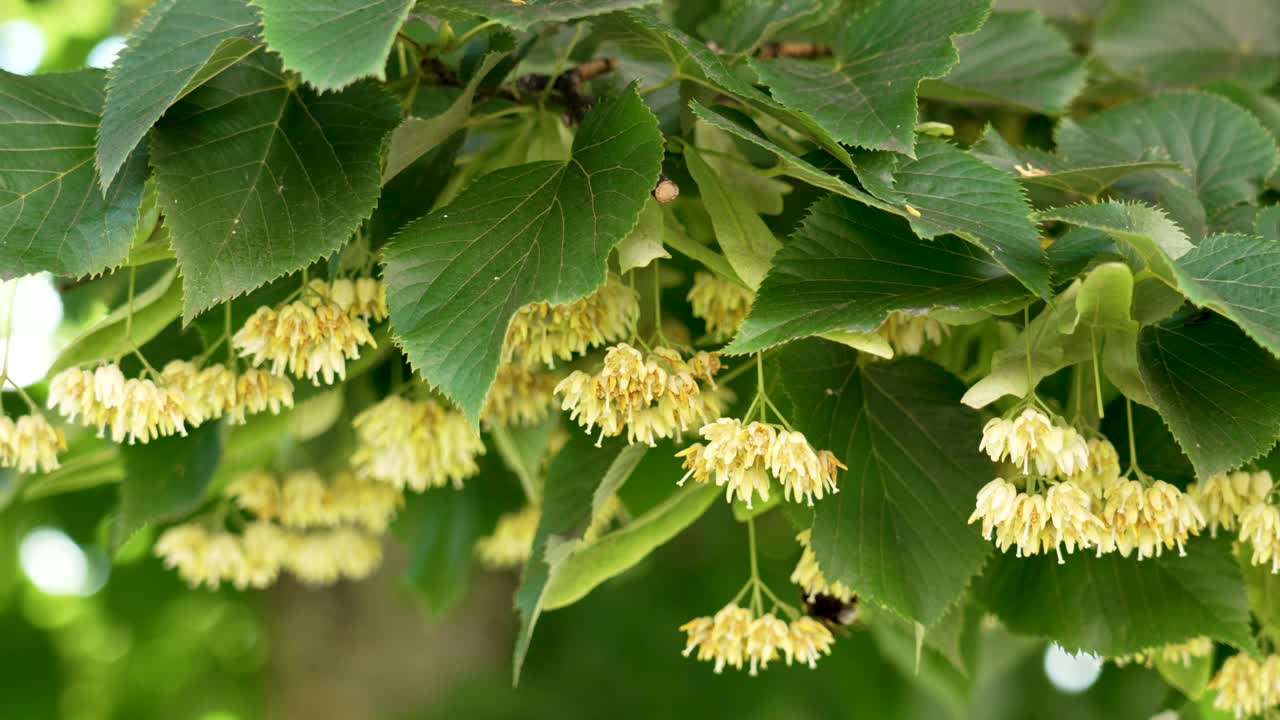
(364, 297)
(810, 578)
(255, 558)
(907, 333)
(736, 637)
(1246, 686)
(311, 342)
(1224, 497)
(1260, 526)
(30, 444)
(742, 457)
(302, 499)
(317, 530)
(1032, 437)
(1182, 653)
(721, 304)
(540, 333)
(1148, 518)
(520, 395)
(511, 542)
(652, 399)
(415, 444)
(216, 390)
(139, 410)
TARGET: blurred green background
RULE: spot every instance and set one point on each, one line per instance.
(86, 638)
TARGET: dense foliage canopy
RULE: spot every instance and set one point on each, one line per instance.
(960, 325)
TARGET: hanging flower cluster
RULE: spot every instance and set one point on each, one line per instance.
(319, 531)
(137, 409)
(1224, 497)
(1182, 653)
(1260, 527)
(1085, 504)
(907, 333)
(654, 398)
(721, 304)
(30, 444)
(415, 444)
(741, 459)
(511, 542)
(520, 395)
(364, 297)
(736, 636)
(215, 390)
(309, 341)
(810, 578)
(541, 333)
(1246, 686)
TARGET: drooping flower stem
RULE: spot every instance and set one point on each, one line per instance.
(757, 604)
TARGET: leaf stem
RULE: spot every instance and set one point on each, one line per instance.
(562, 61)
(464, 37)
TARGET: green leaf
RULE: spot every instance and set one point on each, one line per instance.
(1067, 332)
(1235, 275)
(866, 94)
(166, 478)
(616, 552)
(741, 26)
(335, 42)
(955, 192)
(849, 266)
(1113, 606)
(440, 530)
(1267, 223)
(523, 14)
(1226, 153)
(758, 191)
(746, 241)
(416, 136)
(53, 217)
(1217, 390)
(1263, 588)
(797, 167)
(259, 176)
(535, 232)
(1059, 174)
(1191, 677)
(896, 531)
(1191, 42)
(643, 244)
(572, 478)
(1045, 78)
(153, 310)
(647, 37)
(177, 46)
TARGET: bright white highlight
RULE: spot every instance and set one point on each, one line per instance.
(104, 54)
(22, 46)
(1071, 673)
(54, 563)
(36, 315)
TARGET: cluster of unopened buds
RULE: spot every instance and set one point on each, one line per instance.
(1246, 686)
(320, 531)
(741, 458)
(519, 395)
(415, 444)
(1086, 503)
(737, 636)
(312, 338)
(721, 304)
(363, 297)
(30, 444)
(659, 397)
(1181, 653)
(907, 334)
(541, 333)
